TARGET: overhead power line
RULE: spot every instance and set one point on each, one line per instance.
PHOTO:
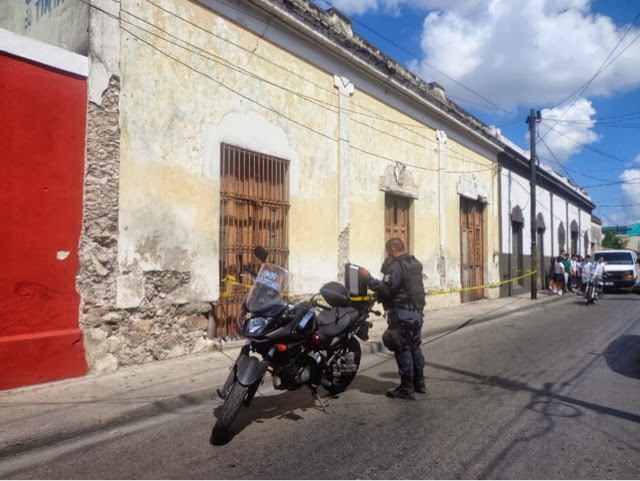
(556, 160)
(586, 146)
(621, 205)
(581, 90)
(180, 43)
(413, 54)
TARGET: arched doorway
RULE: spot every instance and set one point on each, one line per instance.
(561, 237)
(542, 263)
(587, 245)
(575, 235)
(517, 244)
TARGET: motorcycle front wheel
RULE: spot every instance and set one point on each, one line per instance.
(589, 295)
(228, 412)
(344, 368)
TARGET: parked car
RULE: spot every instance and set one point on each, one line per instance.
(621, 268)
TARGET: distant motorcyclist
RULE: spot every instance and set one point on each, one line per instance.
(599, 269)
(585, 271)
(402, 294)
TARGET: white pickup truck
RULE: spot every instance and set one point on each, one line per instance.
(621, 268)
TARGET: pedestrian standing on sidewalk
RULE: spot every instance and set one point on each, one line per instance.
(551, 276)
(559, 275)
(573, 273)
(402, 294)
(567, 271)
(578, 284)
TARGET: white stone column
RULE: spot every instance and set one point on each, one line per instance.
(345, 89)
(104, 38)
(442, 174)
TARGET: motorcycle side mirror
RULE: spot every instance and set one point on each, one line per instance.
(261, 253)
(335, 294)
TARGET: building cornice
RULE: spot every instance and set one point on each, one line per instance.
(332, 31)
(514, 161)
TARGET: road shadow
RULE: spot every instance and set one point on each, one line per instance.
(375, 386)
(292, 405)
(609, 296)
(280, 405)
(623, 356)
(545, 392)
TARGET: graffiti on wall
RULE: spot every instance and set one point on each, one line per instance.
(41, 8)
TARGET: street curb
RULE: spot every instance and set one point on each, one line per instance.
(171, 404)
(484, 317)
(155, 408)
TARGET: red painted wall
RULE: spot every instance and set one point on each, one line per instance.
(42, 148)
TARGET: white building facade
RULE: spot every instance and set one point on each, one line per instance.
(563, 221)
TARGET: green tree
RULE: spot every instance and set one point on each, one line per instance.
(612, 241)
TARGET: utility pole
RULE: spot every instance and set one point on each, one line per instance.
(532, 120)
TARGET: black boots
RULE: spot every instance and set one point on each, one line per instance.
(418, 383)
(404, 391)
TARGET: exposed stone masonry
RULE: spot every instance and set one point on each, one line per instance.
(98, 252)
(156, 329)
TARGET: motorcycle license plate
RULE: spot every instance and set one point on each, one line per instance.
(608, 283)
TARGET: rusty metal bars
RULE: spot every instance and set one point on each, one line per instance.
(254, 203)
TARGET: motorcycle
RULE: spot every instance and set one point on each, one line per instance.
(592, 290)
(305, 343)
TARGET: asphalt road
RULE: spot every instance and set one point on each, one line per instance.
(546, 394)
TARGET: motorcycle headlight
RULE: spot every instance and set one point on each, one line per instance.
(256, 325)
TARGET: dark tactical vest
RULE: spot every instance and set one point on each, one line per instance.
(411, 294)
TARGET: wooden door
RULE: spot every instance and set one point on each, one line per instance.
(396, 219)
(518, 251)
(471, 248)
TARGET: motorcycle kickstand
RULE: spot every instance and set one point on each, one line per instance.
(314, 393)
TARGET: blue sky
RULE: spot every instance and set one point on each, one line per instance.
(577, 61)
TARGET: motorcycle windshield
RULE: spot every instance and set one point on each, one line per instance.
(268, 289)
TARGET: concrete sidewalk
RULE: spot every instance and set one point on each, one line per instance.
(40, 415)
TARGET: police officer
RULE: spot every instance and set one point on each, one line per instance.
(402, 294)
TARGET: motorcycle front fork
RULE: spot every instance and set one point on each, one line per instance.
(224, 392)
(253, 389)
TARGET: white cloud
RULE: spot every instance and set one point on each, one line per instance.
(523, 53)
(527, 51)
(631, 194)
(564, 132)
(516, 52)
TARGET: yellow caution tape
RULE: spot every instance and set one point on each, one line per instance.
(488, 286)
(229, 281)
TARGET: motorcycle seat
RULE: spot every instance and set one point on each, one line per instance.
(327, 320)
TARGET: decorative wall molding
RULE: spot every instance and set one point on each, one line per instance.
(470, 187)
(398, 180)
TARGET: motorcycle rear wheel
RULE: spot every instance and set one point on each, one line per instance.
(335, 385)
(228, 412)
